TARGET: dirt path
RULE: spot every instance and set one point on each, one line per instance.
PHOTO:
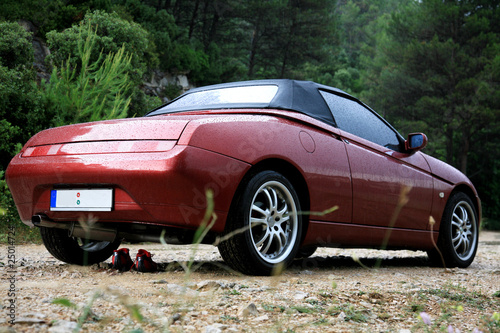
(329, 292)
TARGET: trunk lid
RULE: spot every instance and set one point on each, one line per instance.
(153, 128)
(136, 135)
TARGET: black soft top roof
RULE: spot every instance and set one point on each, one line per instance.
(299, 96)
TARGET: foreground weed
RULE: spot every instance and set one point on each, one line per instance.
(233, 292)
(492, 323)
(230, 318)
(402, 201)
(273, 308)
(303, 309)
(206, 224)
(87, 313)
(350, 313)
(321, 321)
(428, 325)
(459, 295)
(416, 307)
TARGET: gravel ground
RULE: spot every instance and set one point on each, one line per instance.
(329, 292)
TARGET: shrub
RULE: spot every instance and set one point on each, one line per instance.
(111, 33)
(21, 111)
(15, 46)
(84, 89)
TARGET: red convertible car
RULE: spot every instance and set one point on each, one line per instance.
(291, 166)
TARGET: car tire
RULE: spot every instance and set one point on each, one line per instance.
(458, 233)
(306, 252)
(264, 227)
(75, 250)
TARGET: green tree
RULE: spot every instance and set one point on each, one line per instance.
(442, 56)
(360, 26)
(48, 15)
(438, 71)
(298, 35)
(15, 46)
(21, 110)
(112, 33)
(176, 53)
(93, 92)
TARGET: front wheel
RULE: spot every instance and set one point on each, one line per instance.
(264, 227)
(458, 233)
(75, 250)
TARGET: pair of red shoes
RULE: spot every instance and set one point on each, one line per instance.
(143, 263)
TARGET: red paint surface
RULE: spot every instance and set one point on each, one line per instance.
(160, 168)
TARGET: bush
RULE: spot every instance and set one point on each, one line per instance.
(15, 46)
(46, 15)
(21, 111)
(9, 219)
(83, 89)
(160, 24)
(490, 224)
(142, 103)
(112, 33)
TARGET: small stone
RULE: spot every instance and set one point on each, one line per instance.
(25, 320)
(261, 318)
(366, 304)
(208, 285)
(249, 310)
(63, 326)
(300, 295)
(215, 328)
(104, 265)
(175, 318)
(181, 290)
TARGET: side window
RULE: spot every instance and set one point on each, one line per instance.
(354, 118)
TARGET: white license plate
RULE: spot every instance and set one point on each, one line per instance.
(73, 200)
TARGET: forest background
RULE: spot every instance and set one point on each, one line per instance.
(429, 66)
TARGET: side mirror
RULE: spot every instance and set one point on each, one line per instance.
(415, 142)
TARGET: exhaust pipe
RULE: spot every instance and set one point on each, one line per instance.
(74, 230)
(98, 233)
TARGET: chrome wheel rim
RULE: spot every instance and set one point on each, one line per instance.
(463, 230)
(273, 222)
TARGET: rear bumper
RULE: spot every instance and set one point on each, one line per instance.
(162, 188)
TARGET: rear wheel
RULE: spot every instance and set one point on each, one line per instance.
(458, 233)
(264, 227)
(76, 250)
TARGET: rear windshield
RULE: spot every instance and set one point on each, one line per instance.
(223, 97)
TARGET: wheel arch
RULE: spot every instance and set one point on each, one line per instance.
(289, 171)
(471, 193)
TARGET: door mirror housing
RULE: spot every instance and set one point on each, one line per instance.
(415, 142)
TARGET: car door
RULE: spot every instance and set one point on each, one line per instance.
(383, 176)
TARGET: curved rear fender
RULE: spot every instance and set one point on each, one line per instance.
(317, 154)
